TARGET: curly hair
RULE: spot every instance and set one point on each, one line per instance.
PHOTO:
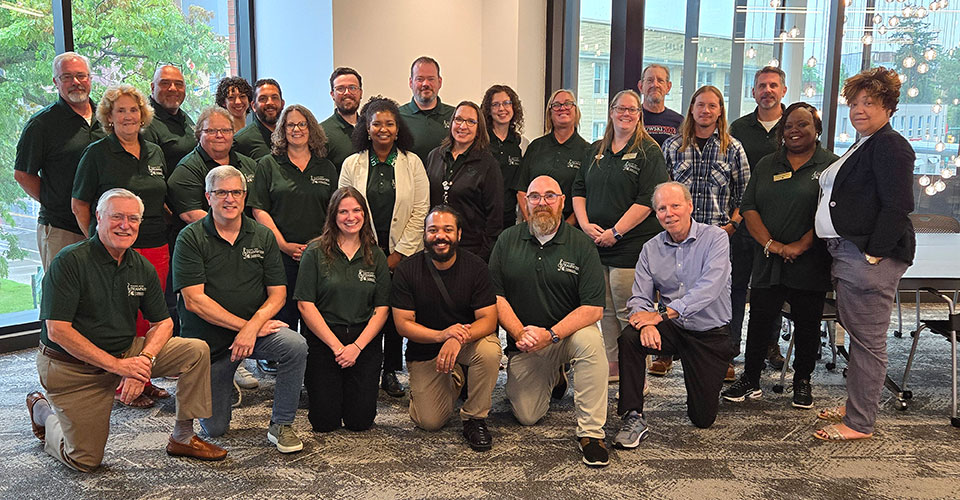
(105, 108)
(230, 82)
(879, 83)
(331, 231)
(817, 122)
(377, 104)
(317, 139)
(482, 141)
(516, 123)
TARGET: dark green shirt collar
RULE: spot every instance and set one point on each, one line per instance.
(558, 239)
(161, 113)
(512, 138)
(568, 142)
(246, 226)
(437, 109)
(343, 124)
(820, 156)
(391, 157)
(100, 254)
(115, 147)
(64, 107)
(210, 162)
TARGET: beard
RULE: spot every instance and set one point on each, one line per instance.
(77, 96)
(348, 109)
(262, 116)
(441, 257)
(544, 221)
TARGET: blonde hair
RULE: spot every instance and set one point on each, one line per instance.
(688, 128)
(105, 108)
(548, 122)
(640, 134)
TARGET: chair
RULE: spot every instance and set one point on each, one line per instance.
(948, 329)
(829, 317)
(926, 223)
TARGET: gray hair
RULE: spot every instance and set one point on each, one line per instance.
(683, 187)
(117, 193)
(156, 74)
(205, 115)
(222, 172)
(664, 68)
(58, 61)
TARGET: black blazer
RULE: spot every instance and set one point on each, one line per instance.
(873, 196)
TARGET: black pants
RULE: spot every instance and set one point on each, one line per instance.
(806, 307)
(170, 296)
(346, 396)
(289, 313)
(392, 341)
(703, 355)
(741, 265)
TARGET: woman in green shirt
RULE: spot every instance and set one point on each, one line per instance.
(343, 291)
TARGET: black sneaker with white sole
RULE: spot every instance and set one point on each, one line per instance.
(742, 389)
(595, 452)
(802, 394)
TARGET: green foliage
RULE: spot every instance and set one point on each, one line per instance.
(915, 37)
(124, 39)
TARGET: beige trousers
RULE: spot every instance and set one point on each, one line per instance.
(50, 240)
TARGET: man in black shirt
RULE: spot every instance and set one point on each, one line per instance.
(444, 304)
(659, 121)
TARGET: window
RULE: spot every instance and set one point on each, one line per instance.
(663, 43)
(593, 83)
(599, 127)
(601, 79)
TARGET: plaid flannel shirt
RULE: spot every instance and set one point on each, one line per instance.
(716, 178)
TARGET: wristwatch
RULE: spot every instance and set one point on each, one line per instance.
(735, 224)
(553, 336)
(149, 356)
(664, 317)
(871, 259)
(616, 234)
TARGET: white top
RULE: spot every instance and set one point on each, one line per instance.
(770, 124)
(823, 222)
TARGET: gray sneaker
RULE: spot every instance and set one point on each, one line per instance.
(285, 438)
(632, 431)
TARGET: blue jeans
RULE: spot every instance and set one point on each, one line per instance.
(286, 347)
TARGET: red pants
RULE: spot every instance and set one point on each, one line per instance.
(160, 258)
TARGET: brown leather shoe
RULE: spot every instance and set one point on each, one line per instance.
(731, 374)
(153, 392)
(661, 365)
(197, 448)
(38, 430)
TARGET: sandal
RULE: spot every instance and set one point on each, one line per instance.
(836, 413)
(832, 433)
(152, 391)
(141, 402)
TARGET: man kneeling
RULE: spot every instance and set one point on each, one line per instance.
(444, 304)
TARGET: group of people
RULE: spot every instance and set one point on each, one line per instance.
(316, 248)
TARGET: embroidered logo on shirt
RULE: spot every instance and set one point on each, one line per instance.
(815, 176)
(252, 253)
(513, 161)
(568, 267)
(573, 163)
(319, 179)
(250, 178)
(367, 276)
(136, 289)
(446, 124)
(155, 169)
(631, 167)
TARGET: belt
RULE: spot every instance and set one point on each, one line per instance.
(59, 356)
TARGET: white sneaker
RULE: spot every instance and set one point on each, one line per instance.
(244, 379)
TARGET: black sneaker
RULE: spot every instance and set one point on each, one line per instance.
(268, 366)
(595, 452)
(802, 394)
(391, 385)
(561, 388)
(742, 389)
(477, 435)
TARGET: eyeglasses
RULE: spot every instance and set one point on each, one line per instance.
(353, 89)
(557, 106)
(469, 121)
(119, 218)
(550, 198)
(215, 131)
(294, 126)
(70, 77)
(504, 104)
(222, 193)
(625, 109)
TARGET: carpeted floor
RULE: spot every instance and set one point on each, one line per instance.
(758, 449)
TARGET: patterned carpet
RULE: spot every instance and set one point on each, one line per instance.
(758, 449)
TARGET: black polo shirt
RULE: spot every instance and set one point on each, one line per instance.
(546, 156)
(786, 200)
(106, 165)
(235, 276)
(339, 144)
(100, 298)
(173, 133)
(467, 283)
(611, 185)
(345, 291)
(187, 184)
(296, 200)
(428, 126)
(756, 141)
(50, 146)
(508, 154)
(254, 139)
(544, 283)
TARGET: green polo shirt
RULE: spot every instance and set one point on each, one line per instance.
(382, 194)
(345, 291)
(297, 201)
(253, 140)
(787, 202)
(86, 287)
(106, 165)
(544, 283)
(508, 155)
(339, 144)
(173, 133)
(50, 146)
(428, 126)
(611, 185)
(235, 276)
(546, 156)
(756, 141)
(187, 183)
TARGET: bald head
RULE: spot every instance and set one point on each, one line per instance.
(168, 88)
(544, 183)
(545, 205)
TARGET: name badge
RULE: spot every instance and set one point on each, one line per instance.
(630, 156)
(783, 176)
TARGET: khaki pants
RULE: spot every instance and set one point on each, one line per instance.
(532, 376)
(50, 240)
(433, 394)
(619, 289)
(82, 398)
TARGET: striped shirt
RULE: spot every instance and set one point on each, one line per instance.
(716, 178)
